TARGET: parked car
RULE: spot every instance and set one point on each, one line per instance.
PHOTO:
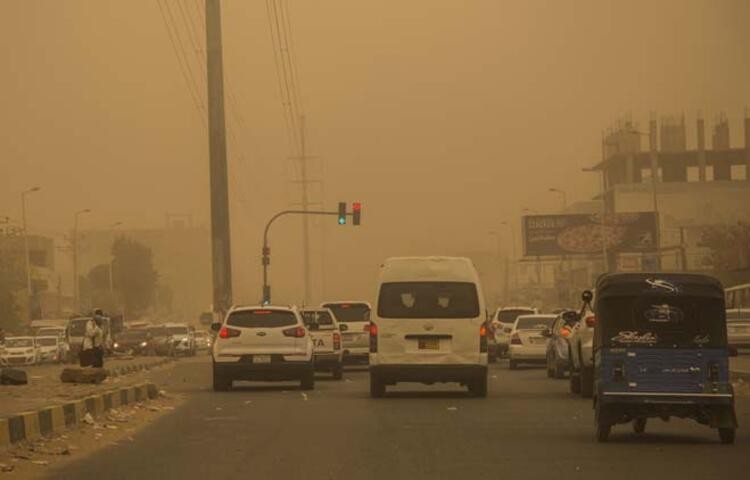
(527, 342)
(557, 346)
(356, 338)
(429, 325)
(263, 343)
(19, 351)
(203, 340)
(581, 353)
(51, 348)
(501, 326)
(738, 327)
(326, 336)
(133, 342)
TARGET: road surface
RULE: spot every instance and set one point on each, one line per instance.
(528, 427)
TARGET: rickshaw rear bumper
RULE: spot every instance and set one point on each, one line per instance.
(713, 409)
(666, 398)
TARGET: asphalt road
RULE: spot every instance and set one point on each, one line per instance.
(528, 427)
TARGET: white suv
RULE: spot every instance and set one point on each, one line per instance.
(581, 354)
(355, 336)
(262, 343)
(429, 325)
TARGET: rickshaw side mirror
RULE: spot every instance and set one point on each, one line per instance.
(587, 296)
(733, 351)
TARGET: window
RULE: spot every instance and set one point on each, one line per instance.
(510, 315)
(738, 172)
(46, 342)
(261, 319)
(428, 300)
(350, 312)
(317, 317)
(534, 323)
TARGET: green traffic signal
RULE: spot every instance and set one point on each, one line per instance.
(342, 213)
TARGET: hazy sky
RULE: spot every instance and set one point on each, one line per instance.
(442, 116)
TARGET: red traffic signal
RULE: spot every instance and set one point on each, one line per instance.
(357, 213)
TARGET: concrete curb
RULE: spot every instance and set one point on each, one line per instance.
(126, 369)
(56, 418)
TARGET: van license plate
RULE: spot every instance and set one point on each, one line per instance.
(261, 358)
(428, 344)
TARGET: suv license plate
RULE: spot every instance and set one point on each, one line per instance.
(261, 358)
(428, 344)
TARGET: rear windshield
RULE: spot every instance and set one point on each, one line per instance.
(46, 342)
(534, 323)
(18, 342)
(321, 318)
(201, 334)
(428, 300)
(177, 330)
(261, 319)
(662, 321)
(133, 335)
(510, 316)
(78, 327)
(350, 312)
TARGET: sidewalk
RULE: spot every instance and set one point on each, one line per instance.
(45, 387)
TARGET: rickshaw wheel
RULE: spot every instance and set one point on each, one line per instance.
(726, 435)
(639, 425)
(602, 431)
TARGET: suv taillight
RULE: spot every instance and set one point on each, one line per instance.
(373, 338)
(336, 341)
(515, 339)
(227, 332)
(483, 339)
(590, 321)
(297, 332)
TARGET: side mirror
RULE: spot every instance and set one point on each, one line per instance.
(215, 327)
(343, 327)
(733, 351)
(587, 296)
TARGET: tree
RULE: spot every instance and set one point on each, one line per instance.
(729, 244)
(134, 275)
(96, 287)
(11, 282)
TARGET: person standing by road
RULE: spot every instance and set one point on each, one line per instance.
(98, 339)
(91, 350)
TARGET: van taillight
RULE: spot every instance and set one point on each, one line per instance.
(336, 341)
(515, 339)
(297, 332)
(373, 338)
(590, 321)
(483, 339)
(227, 332)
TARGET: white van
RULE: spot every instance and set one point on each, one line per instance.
(428, 324)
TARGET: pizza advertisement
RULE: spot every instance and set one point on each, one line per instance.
(588, 234)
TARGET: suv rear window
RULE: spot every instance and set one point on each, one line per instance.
(534, 323)
(510, 315)
(428, 300)
(261, 319)
(350, 312)
(321, 318)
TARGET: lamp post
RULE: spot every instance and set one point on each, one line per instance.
(26, 241)
(111, 262)
(563, 194)
(513, 250)
(75, 256)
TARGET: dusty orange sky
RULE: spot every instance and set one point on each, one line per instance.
(442, 117)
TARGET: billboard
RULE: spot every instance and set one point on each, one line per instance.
(587, 234)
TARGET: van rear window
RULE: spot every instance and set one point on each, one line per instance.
(261, 319)
(428, 300)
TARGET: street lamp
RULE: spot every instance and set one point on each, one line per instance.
(564, 196)
(75, 256)
(26, 243)
(111, 262)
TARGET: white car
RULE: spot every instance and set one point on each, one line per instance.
(527, 342)
(581, 354)
(356, 337)
(501, 325)
(51, 349)
(183, 340)
(428, 325)
(262, 343)
(19, 351)
(326, 336)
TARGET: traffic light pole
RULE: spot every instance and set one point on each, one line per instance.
(267, 251)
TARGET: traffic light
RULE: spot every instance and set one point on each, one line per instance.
(342, 213)
(357, 208)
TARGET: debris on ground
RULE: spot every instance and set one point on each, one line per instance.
(88, 419)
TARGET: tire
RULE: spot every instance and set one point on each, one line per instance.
(550, 368)
(559, 372)
(726, 435)
(575, 380)
(221, 384)
(377, 387)
(587, 382)
(338, 372)
(639, 426)
(478, 386)
(307, 382)
(602, 428)
(512, 364)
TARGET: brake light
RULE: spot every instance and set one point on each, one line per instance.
(515, 339)
(483, 339)
(297, 332)
(373, 338)
(227, 332)
(336, 341)
(590, 321)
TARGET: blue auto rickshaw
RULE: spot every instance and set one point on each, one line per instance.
(660, 351)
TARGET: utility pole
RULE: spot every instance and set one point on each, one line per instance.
(220, 233)
(76, 300)
(305, 206)
(27, 261)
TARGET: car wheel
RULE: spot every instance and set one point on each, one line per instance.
(377, 387)
(726, 435)
(338, 372)
(603, 427)
(639, 425)
(512, 364)
(587, 382)
(307, 382)
(550, 368)
(478, 386)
